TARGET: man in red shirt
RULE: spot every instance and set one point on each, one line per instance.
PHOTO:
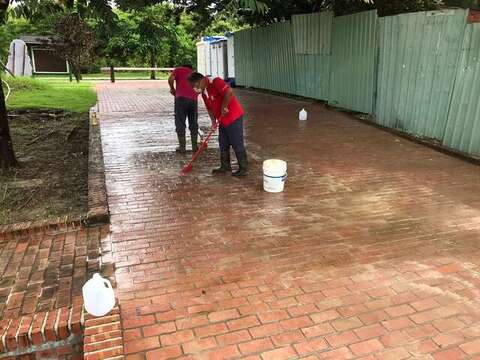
(186, 105)
(222, 104)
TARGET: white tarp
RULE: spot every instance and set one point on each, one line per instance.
(19, 62)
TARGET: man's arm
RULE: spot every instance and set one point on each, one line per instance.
(210, 112)
(171, 82)
(212, 118)
(226, 100)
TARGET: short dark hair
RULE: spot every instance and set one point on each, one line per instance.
(188, 66)
(194, 77)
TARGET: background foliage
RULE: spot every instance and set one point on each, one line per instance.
(143, 32)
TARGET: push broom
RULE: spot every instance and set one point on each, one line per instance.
(189, 167)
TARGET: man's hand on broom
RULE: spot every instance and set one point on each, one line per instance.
(213, 120)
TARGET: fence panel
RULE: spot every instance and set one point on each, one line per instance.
(312, 33)
(352, 81)
(417, 64)
(243, 57)
(265, 58)
(312, 74)
(463, 126)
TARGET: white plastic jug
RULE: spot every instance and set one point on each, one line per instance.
(303, 115)
(274, 175)
(98, 296)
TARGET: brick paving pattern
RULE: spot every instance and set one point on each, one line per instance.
(45, 269)
(42, 273)
(372, 252)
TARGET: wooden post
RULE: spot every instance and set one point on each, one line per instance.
(153, 64)
(112, 74)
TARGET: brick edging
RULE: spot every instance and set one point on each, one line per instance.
(98, 212)
(25, 334)
(42, 225)
(103, 337)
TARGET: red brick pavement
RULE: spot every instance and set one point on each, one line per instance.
(372, 252)
(42, 273)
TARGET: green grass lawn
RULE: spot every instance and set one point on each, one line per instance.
(52, 93)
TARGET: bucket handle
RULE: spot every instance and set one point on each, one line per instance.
(283, 177)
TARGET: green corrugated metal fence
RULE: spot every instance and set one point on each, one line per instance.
(243, 57)
(266, 58)
(463, 126)
(312, 38)
(411, 70)
(321, 69)
(353, 61)
(272, 49)
(312, 33)
(312, 73)
(418, 60)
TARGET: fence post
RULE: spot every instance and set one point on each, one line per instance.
(112, 74)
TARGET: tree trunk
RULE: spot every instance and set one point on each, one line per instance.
(112, 74)
(7, 155)
(173, 53)
(77, 73)
(3, 9)
(153, 64)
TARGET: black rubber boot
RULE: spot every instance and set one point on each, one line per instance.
(194, 142)
(242, 165)
(182, 148)
(224, 164)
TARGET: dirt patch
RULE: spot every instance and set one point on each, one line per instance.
(52, 180)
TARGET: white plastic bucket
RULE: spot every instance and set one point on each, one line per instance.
(274, 175)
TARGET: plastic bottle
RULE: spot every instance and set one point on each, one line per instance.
(98, 296)
(303, 115)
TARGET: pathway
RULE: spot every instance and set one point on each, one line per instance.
(372, 252)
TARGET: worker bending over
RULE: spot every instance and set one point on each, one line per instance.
(222, 104)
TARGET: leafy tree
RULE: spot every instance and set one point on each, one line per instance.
(185, 41)
(74, 42)
(156, 29)
(37, 10)
(12, 28)
(224, 22)
(393, 7)
(344, 7)
(204, 11)
(85, 9)
(119, 43)
(474, 4)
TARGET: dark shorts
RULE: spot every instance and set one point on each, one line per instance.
(232, 135)
(186, 108)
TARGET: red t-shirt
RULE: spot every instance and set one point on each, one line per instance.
(183, 88)
(213, 97)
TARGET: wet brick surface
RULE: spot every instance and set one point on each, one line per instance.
(45, 269)
(372, 251)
